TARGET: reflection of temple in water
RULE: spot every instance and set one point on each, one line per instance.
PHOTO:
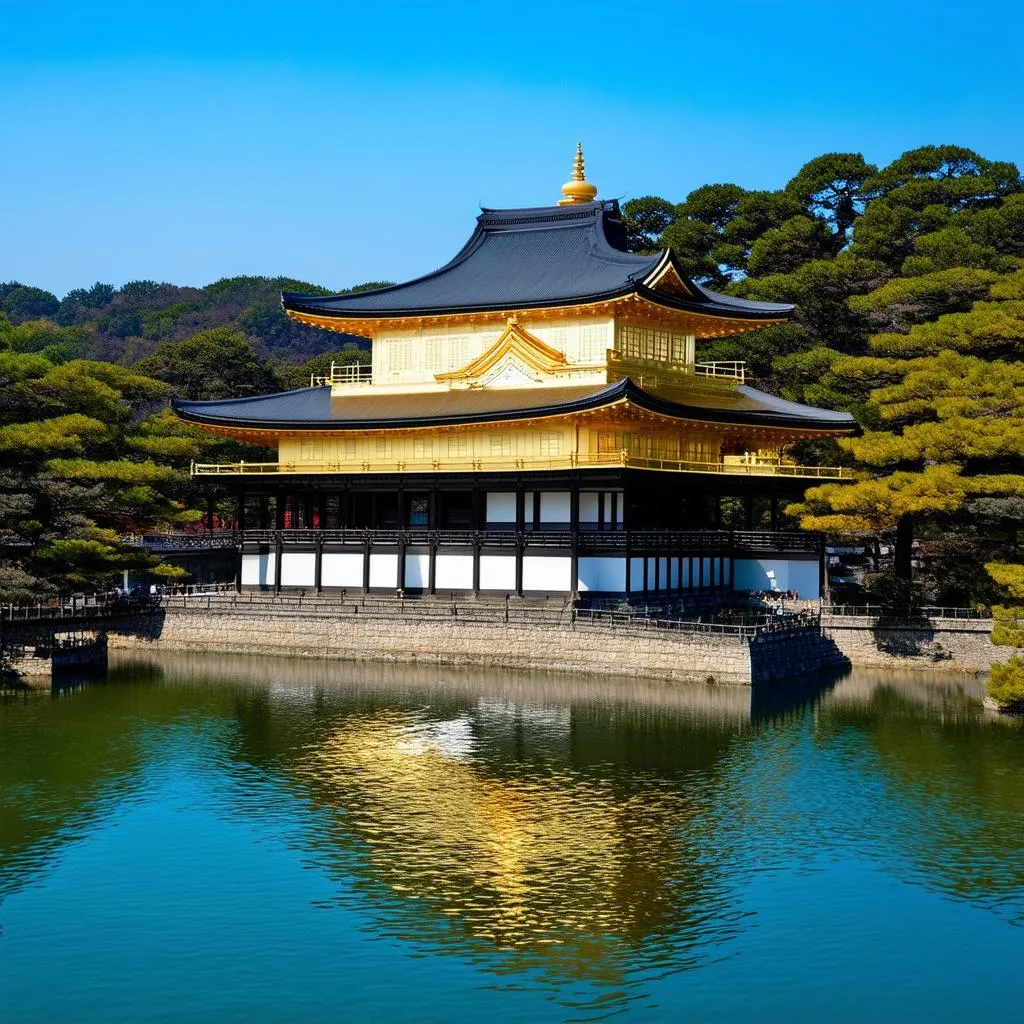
(533, 821)
(499, 817)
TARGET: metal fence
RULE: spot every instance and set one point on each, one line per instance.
(925, 612)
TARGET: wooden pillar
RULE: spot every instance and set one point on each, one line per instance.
(574, 539)
(476, 562)
(278, 558)
(401, 516)
(318, 564)
(238, 569)
(520, 535)
(629, 565)
(279, 503)
(432, 564)
(367, 548)
(475, 507)
(520, 552)
(432, 522)
(402, 545)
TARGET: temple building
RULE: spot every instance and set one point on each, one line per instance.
(534, 421)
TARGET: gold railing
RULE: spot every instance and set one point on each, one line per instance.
(669, 373)
(490, 464)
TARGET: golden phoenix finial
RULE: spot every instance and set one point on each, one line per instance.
(578, 189)
(577, 166)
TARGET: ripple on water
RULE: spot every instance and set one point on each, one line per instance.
(593, 846)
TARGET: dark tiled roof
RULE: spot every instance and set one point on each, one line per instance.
(315, 409)
(521, 259)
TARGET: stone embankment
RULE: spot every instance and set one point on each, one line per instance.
(918, 642)
(539, 642)
(539, 635)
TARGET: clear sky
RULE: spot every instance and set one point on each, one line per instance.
(339, 143)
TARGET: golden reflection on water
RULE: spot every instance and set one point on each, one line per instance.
(549, 857)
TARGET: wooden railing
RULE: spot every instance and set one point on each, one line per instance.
(346, 373)
(752, 467)
(693, 541)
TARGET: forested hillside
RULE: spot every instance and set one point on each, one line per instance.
(122, 325)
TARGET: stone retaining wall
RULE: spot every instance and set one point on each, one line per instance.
(793, 652)
(588, 649)
(959, 645)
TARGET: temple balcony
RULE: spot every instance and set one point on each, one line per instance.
(345, 375)
(591, 540)
(730, 465)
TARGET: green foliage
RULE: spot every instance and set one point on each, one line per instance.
(831, 186)
(45, 439)
(212, 364)
(71, 483)
(20, 302)
(1006, 684)
(126, 324)
(1010, 577)
(902, 302)
(876, 505)
(645, 220)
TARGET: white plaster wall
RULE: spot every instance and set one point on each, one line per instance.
(298, 569)
(790, 574)
(589, 507)
(341, 569)
(554, 507)
(454, 572)
(610, 518)
(384, 571)
(498, 572)
(501, 507)
(608, 574)
(257, 570)
(636, 574)
(417, 570)
(547, 574)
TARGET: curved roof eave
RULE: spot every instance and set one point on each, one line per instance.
(717, 305)
(311, 409)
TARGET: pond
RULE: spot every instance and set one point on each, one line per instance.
(255, 840)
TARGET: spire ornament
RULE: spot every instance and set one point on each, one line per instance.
(578, 189)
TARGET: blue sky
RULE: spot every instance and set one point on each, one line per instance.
(340, 143)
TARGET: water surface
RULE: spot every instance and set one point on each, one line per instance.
(260, 840)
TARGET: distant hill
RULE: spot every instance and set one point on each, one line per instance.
(122, 325)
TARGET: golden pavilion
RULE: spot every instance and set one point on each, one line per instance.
(534, 421)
